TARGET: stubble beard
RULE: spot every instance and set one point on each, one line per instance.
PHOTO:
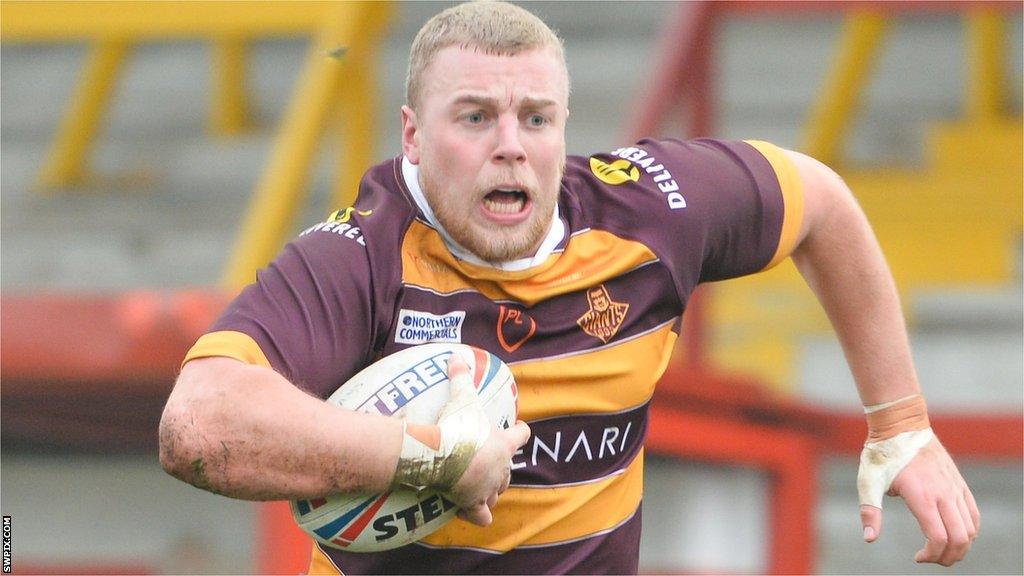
(496, 244)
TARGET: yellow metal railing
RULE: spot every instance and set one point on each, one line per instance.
(832, 113)
(338, 74)
(954, 221)
(229, 107)
(283, 185)
(858, 49)
(65, 163)
(986, 63)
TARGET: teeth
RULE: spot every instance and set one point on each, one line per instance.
(505, 207)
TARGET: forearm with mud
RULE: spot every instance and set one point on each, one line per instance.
(246, 432)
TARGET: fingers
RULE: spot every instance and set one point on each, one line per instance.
(488, 473)
(463, 413)
(957, 540)
(457, 366)
(972, 507)
(938, 497)
(934, 530)
(460, 381)
(518, 434)
(506, 481)
(479, 515)
(871, 520)
(965, 516)
(947, 539)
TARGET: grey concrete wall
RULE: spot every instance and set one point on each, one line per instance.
(93, 510)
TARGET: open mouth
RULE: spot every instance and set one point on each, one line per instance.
(506, 201)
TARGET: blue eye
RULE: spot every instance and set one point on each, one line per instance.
(475, 118)
(536, 120)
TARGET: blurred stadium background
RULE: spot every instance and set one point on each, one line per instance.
(153, 154)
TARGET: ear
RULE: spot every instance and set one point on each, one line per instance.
(410, 135)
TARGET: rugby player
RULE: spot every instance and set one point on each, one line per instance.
(575, 271)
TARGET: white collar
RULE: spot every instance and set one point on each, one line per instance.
(411, 172)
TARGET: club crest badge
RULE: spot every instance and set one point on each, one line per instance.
(515, 327)
(605, 316)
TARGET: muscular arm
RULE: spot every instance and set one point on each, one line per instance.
(839, 257)
(244, 431)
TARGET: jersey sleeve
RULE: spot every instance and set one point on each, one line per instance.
(308, 315)
(711, 209)
(790, 189)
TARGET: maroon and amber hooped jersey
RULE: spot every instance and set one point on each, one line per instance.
(587, 326)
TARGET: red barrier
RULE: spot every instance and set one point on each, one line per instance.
(984, 436)
(790, 457)
(85, 341)
(281, 547)
(894, 7)
(730, 419)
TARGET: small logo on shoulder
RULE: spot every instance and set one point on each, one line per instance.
(345, 214)
(415, 327)
(338, 223)
(639, 158)
(614, 173)
(605, 316)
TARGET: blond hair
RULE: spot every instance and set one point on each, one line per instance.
(492, 27)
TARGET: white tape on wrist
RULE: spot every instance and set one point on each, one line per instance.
(882, 461)
(464, 429)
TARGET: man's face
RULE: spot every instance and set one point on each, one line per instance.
(489, 139)
(598, 299)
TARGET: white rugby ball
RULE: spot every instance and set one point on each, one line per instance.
(411, 384)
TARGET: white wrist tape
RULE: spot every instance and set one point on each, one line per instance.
(464, 429)
(882, 461)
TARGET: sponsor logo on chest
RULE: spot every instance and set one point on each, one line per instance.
(585, 444)
(415, 327)
(574, 448)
